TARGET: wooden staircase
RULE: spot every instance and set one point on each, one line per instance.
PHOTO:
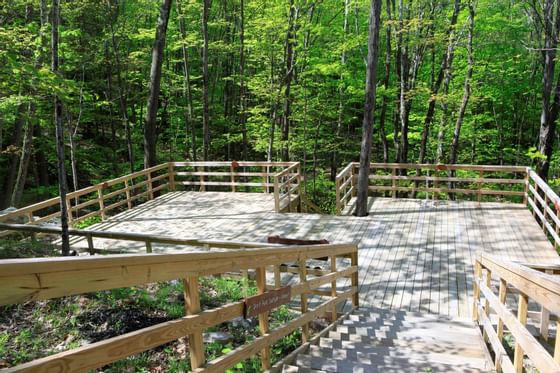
(375, 340)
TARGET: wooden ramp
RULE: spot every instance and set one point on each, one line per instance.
(375, 340)
(414, 255)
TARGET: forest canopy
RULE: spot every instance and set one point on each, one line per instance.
(258, 80)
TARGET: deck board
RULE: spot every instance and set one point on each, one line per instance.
(414, 254)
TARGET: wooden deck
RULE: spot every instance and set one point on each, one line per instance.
(414, 255)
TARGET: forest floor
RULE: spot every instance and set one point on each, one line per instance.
(41, 328)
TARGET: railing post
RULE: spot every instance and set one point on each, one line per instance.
(479, 194)
(171, 176)
(232, 175)
(265, 179)
(276, 194)
(355, 279)
(303, 279)
(557, 343)
(127, 187)
(300, 202)
(263, 317)
(150, 186)
(394, 183)
(101, 202)
(526, 190)
(337, 193)
(476, 289)
(192, 307)
(502, 298)
(354, 176)
(333, 287)
(148, 247)
(202, 185)
(535, 200)
(522, 317)
(545, 320)
(487, 302)
(91, 248)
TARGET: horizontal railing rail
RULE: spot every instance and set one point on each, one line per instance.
(148, 239)
(23, 280)
(530, 284)
(409, 179)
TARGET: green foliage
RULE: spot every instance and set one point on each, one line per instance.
(83, 224)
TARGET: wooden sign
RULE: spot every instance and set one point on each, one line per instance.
(267, 301)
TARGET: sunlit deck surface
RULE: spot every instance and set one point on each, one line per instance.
(414, 254)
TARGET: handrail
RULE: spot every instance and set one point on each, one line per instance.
(22, 280)
(427, 179)
(545, 206)
(148, 239)
(542, 288)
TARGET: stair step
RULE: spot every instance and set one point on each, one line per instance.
(436, 333)
(467, 349)
(467, 328)
(384, 364)
(410, 318)
(374, 354)
(294, 369)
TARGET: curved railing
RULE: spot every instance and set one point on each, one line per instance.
(23, 280)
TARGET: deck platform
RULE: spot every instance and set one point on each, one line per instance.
(414, 255)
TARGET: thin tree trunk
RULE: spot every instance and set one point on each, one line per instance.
(150, 134)
(122, 98)
(289, 55)
(205, 104)
(11, 175)
(369, 107)
(242, 98)
(547, 124)
(62, 186)
(386, 79)
(446, 62)
(24, 158)
(187, 89)
(466, 89)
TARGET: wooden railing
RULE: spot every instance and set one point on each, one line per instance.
(282, 178)
(440, 180)
(24, 280)
(526, 284)
(98, 200)
(149, 240)
(545, 206)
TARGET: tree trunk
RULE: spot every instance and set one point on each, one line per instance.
(150, 133)
(205, 104)
(547, 121)
(62, 186)
(24, 158)
(242, 98)
(369, 107)
(386, 79)
(466, 89)
(336, 145)
(13, 156)
(187, 89)
(446, 62)
(288, 75)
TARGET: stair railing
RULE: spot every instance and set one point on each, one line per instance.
(516, 283)
(23, 280)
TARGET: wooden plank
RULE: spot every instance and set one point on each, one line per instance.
(192, 307)
(263, 317)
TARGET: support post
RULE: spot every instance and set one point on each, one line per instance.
(479, 192)
(476, 289)
(526, 189)
(171, 176)
(337, 193)
(394, 183)
(127, 191)
(150, 186)
(303, 279)
(101, 202)
(333, 287)
(263, 317)
(502, 293)
(355, 279)
(232, 175)
(276, 194)
(522, 317)
(192, 307)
